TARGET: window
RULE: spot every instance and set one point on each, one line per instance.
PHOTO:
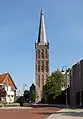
(1, 85)
(46, 67)
(46, 53)
(38, 66)
(42, 66)
(42, 53)
(42, 80)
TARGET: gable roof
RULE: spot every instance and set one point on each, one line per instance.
(3, 77)
(12, 81)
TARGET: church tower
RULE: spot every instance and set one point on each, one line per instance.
(42, 59)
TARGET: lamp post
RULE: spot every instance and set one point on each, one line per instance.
(65, 67)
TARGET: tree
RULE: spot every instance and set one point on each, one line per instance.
(53, 85)
(20, 100)
(26, 95)
(2, 92)
(29, 95)
(32, 93)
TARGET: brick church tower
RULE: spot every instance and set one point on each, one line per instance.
(42, 59)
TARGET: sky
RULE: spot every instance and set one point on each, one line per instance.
(19, 21)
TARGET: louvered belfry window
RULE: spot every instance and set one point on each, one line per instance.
(42, 53)
(46, 66)
(38, 66)
(42, 66)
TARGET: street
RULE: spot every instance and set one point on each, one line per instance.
(34, 113)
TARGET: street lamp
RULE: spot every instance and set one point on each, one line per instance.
(64, 69)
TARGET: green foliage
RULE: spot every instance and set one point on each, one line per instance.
(2, 92)
(32, 93)
(26, 95)
(20, 100)
(54, 84)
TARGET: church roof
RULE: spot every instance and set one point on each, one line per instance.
(42, 31)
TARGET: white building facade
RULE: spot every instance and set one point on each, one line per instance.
(10, 95)
(7, 84)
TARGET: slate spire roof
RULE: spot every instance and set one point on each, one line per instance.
(42, 31)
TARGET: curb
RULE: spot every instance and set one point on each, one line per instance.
(15, 107)
(50, 117)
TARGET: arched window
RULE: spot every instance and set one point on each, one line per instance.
(42, 80)
(42, 66)
(38, 66)
(46, 53)
(46, 67)
(42, 53)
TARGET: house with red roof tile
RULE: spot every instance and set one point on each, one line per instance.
(8, 83)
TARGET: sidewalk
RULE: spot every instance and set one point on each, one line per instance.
(15, 108)
(67, 114)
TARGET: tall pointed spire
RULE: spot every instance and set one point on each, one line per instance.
(42, 59)
(42, 32)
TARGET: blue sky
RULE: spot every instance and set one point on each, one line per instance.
(19, 20)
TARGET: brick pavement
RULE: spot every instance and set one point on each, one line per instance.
(35, 113)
